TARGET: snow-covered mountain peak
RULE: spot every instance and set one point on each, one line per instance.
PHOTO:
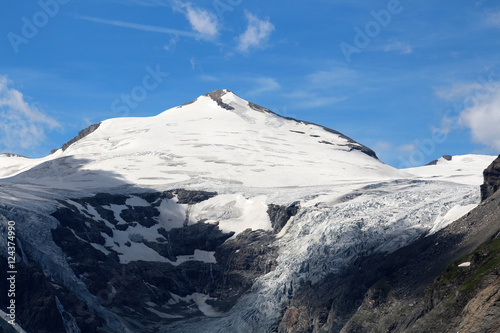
(219, 139)
(224, 98)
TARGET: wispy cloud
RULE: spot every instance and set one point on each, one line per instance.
(256, 35)
(458, 91)
(171, 43)
(312, 99)
(204, 24)
(337, 76)
(22, 125)
(264, 84)
(394, 154)
(324, 87)
(401, 48)
(147, 3)
(202, 21)
(208, 78)
(142, 27)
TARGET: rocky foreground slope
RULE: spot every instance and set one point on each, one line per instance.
(219, 216)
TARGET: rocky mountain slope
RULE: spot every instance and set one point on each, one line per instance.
(218, 215)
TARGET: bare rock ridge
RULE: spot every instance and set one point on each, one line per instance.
(280, 215)
(83, 133)
(446, 157)
(491, 179)
(12, 155)
(217, 95)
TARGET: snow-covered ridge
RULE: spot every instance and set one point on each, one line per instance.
(463, 169)
(209, 142)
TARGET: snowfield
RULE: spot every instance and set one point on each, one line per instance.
(351, 204)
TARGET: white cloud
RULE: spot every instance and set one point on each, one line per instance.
(256, 34)
(398, 46)
(147, 3)
(458, 91)
(202, 21)
(312, 100)
(476, 106)
(171, 43)
(22, 125)
(406, 148)
(384, 146)
(143, 27)
(483, 119)
(398, 155)
(264, 84)
(208, 78)
(338, 76)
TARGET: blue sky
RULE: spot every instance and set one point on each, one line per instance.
(411, 79)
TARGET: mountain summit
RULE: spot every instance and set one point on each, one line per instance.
(217, 139)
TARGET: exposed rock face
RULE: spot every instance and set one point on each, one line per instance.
(12, 155)
(446, 157)
(83, 133)
(280, 215)
(491, 179)
(216, 95)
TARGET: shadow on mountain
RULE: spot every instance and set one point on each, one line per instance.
(81, 267)
(68, 173)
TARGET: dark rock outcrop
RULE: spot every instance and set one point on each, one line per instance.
(83, 133)
(245, 258)
(446, 157)
(40, 301)
(192, 197)
(216, 95)
(12, 155)
(491, 179)
(279, 215)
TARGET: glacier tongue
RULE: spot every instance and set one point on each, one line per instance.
(326, 237)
